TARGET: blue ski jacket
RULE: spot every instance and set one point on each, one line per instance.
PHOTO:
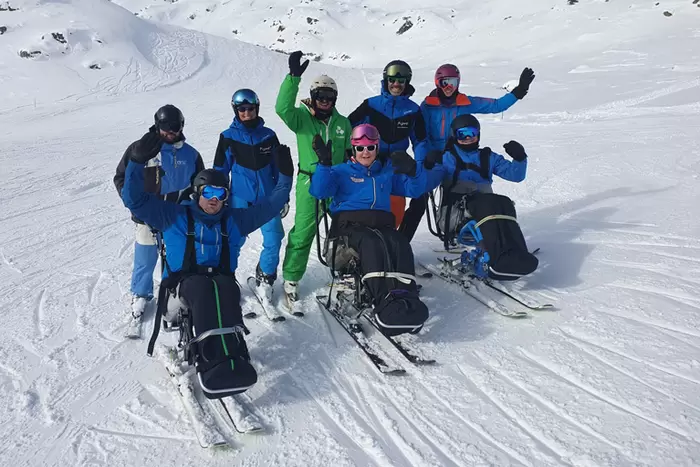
(398, 119)
(513, 171)
(171, 219)
(245, 155)
(439, 114)
(355, 187)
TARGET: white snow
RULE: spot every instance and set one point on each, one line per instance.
(611, 122)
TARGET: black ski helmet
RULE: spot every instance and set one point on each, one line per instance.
(397, 69)
(462, 121)
(211, 177)
(169, 118)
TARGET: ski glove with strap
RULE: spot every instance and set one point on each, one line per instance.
(147, 147)
(515, 150)
(296, 68)
(283, 160)
(403, 163)
(432, 158)
(324, 151)
(526, 77)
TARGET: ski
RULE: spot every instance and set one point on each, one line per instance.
(241, 418)
(517, 297)
(270, 312)
(202, 422)
(354, 329)
(422, 272)
(471, 288)
(403, 348)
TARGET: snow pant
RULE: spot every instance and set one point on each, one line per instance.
(145, 260)
(398, 206)
(396, 304)
(301, 237)
(222, 361)
(272, 233)
(413, 216)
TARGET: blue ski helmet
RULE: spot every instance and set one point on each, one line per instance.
(245, 96)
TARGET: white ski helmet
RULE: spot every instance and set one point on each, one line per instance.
(324, 81)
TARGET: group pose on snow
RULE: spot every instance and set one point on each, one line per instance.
(355, 168)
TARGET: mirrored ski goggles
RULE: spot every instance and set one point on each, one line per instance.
(170, 127)
(396, 79)
(245, 108)
(211, 192)
(467, 132)
(444, 82)
(370, 147)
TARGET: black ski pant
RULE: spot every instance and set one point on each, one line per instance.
(413, 216)
(213, 302)
(382, 249)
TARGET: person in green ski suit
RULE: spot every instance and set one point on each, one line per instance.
(315, 116)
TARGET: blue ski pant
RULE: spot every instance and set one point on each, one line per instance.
(272, 233)
(145, 260)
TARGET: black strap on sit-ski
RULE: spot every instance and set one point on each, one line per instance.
(173, 279)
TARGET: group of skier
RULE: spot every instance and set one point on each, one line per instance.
(356, 165)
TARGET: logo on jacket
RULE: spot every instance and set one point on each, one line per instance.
(265, 150)
(357, 180)
(339, 131)
(402, 124)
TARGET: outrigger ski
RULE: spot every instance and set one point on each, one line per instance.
(272, 314)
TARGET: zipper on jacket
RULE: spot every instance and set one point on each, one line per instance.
(201, 237)
(374, 189)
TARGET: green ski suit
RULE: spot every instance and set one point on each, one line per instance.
(302, 122)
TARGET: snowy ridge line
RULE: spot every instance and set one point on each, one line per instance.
(538, 438)
(554, 409)
(527, 356)
(582, 347)
(668, 371)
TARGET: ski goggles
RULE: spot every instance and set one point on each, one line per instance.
(211, 192)
(325, 96)
(398, 70)
(444, 82)
(396, 79)
(245, 108)
(369, 147)
(467, 132)
(170, 126)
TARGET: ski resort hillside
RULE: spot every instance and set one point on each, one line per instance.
(608, 376)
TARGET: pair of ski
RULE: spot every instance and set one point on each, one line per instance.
(214, 421)
(367, 342)
(269, 310)
(480, 289)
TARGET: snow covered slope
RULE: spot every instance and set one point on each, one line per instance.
(611, 125)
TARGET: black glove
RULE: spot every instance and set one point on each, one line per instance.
(324, 151)
(283, 160)
(147, 147)
(296, 68)
(526, 78)
(403, 163)
(433, 157)
(515, 150)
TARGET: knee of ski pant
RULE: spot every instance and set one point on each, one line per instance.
(273, 231)
(401, 311)
(144, 235)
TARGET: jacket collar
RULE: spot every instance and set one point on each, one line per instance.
(237, 124)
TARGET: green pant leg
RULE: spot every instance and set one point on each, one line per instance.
(301, 237)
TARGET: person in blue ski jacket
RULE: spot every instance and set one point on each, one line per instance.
(472, 166)
(398, 119)
(360, 210)
(169, 175)
(441, 107)
(245, 152)
(201, 237)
